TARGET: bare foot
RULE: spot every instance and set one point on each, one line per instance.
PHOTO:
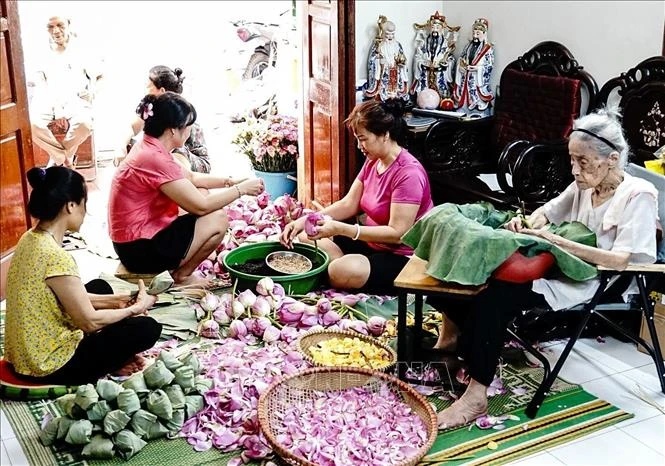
(136, 364)
(447, 343)
(462, 412)
(448, 335)
(193, 281)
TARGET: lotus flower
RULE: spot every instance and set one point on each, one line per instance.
(237, 329)
(278, 290)
(260, 326)
(376, 325)
(261, 307)
(247, 298)
(210, 329)
(291, 314)
(271, 334)
(221, 316)
(324, 305)
(312, 222)
(209, 302)
(237, 309)
(289, 334)
(330, 318)
(264, 286)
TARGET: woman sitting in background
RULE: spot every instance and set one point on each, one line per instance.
(57, 332)
(392, 189)
(193, 155)
(618, 208)
(147, 189)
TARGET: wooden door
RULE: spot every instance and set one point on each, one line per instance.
(328, 165)
(15, 139)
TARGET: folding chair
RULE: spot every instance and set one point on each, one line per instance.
(640, 272)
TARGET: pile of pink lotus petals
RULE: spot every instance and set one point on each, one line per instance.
(240, 373)
(355, 426)
(268, 313)
(252, 219)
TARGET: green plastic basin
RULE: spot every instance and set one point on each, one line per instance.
(300, 283)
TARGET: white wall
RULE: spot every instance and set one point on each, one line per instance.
(606, 38)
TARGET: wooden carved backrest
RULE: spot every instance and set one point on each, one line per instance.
(541, 93)
(641, 97)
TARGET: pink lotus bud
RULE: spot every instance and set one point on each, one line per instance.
(324, 305)
(261, 307)
(263, 199)
(221, 316)
(271, 334)
(376, 325)
(330, 318)
(312, 223)
(278, 290)
(209, 302)
(274, 301)
(234, 212)
(256, 238)
(237, 329)
(260, 325)
(205, 265)
(350, 300)
(237, 309)
(225, 301)
(247, 298)
(210, 329)
(291, 314)
(359, 326)
(289, 334)
(345, 324)
(308, 320)
(264, 286)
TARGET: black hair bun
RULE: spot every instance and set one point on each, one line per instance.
(394, 107)
(178, 73)
(36, 177)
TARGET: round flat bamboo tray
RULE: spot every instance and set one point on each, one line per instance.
(298, 387)
(309, 339)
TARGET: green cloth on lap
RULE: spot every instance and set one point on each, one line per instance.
(465, 244)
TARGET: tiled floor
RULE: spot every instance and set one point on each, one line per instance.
(610, 370)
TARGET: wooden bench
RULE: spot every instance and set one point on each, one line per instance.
(414, 279)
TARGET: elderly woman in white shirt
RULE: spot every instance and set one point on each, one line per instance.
(620, 209)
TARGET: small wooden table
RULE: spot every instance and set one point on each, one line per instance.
(414, 279)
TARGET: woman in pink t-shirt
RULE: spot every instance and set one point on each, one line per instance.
(150, 186)
(392, 191)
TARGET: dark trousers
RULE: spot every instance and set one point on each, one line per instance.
(483, 321)
(107, 350)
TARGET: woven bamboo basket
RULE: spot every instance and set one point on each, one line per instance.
(296, 388)
(315, 337)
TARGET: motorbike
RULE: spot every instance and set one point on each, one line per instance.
(260, 38)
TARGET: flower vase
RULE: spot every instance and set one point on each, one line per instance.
(279, 183)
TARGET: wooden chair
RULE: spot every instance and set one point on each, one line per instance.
(541, 93)
(640, 92)
(413, 279)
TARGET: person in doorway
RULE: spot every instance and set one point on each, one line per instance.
(194, 154)
(618, 208)
(59, 331)
(64, 89)
(392, 190)
(150, 186)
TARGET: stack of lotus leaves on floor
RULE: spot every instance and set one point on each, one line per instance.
(111, 418)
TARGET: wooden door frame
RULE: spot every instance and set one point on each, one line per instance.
(15, 120)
